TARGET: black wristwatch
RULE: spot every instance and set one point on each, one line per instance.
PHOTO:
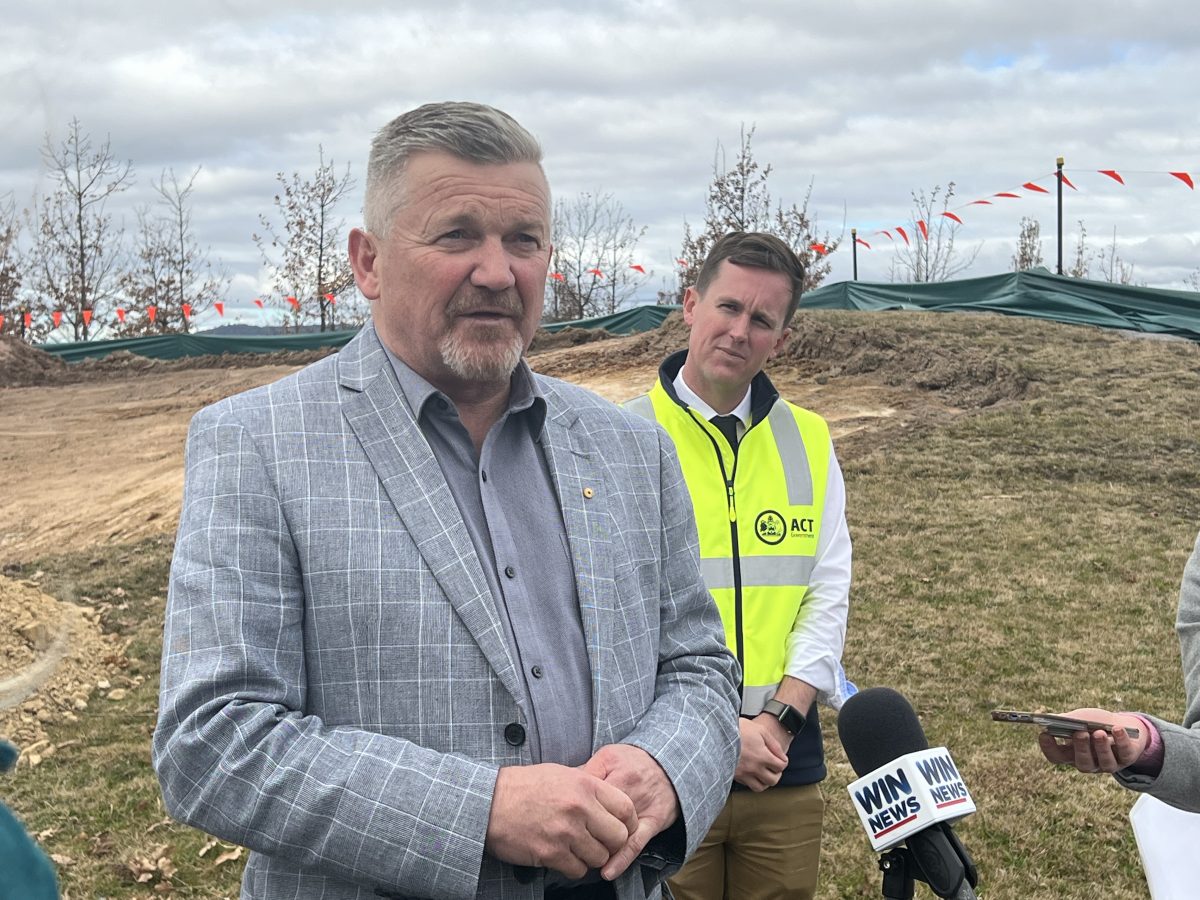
(789, 717)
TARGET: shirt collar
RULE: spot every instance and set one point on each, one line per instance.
(524, 393)
(696, 402)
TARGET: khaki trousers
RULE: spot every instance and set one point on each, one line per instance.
(763, 846)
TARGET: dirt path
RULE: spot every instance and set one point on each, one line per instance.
(102, 461)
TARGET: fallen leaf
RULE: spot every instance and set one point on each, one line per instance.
(207, 846)
(227, 856)
(61, 859)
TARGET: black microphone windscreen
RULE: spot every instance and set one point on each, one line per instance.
(877, 725)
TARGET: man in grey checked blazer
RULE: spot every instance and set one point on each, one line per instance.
(436, 626)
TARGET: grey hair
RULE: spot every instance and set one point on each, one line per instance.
(472, 132)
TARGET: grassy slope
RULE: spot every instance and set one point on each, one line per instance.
(1027, 554)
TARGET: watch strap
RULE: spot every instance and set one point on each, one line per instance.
(789, 717)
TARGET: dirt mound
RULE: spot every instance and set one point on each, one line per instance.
(964, 373)
(826, 345)
(23, 366)
(122, 363)
(566, 337)
(53, 658)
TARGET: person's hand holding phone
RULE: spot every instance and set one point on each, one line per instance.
(1098, 750)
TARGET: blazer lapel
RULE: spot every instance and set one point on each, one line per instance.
(389, 435)
(574, 463)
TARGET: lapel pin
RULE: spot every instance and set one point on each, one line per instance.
(588, 493)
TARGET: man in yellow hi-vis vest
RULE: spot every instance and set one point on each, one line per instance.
(775, 553)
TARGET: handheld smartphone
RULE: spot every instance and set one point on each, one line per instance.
(1059, 726)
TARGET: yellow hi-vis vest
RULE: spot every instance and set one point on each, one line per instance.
(758, 514)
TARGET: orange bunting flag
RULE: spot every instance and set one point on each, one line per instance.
(258, 303)
(1067, 181)
(57, 317)
(596, 272)
(638, 268)
(1, 321)
(187, 311)
(682, 262)
(1113, 175)
(219, 307)
(331, 298)
(924, 230)
(950, 215)
(980, 203)
(1030, 186)
(28, 319)
(1008, 194)
(558, 276)
(820, 249)
(1185, 178)
(900, 231)
(889, 235)
(152, 312)
(295, 303)
(859, 240)
(121, 314)
(87, 317)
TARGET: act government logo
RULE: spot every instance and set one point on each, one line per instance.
(771, 527)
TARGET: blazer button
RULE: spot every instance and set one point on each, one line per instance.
(514, 733)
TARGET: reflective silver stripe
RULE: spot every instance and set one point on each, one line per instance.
(776, 571)
(753, 698)
(796, 472)
(642, 406)
(717, 573)
(758, 571)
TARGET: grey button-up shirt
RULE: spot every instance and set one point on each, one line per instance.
(508, 502)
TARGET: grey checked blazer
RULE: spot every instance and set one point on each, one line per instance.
(1179, 781)
(336, 684)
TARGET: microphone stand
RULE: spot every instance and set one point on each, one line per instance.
(935, 856)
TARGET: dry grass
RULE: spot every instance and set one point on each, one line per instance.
(1023, 554)
(1026, 555)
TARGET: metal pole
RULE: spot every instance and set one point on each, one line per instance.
(854, 250)
(1060, 165)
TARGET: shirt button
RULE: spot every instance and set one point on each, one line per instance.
(536, 671)
(514, 733)
(510, 572)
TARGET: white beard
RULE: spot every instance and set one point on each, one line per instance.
(481, 360)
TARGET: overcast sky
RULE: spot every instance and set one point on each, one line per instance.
(868, 102)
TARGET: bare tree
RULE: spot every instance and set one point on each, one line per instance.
(930, 254)
(1082, 264)
(739, 200)
(1193, 280)
(170, 271)
(77, 252)
(595, 242)
(312, 265)
(10, 268)
(148, 281)
(1029, 246)
(1113, 269)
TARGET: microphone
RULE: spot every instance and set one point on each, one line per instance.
(906, 793)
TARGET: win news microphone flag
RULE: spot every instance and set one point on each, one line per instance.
(907, 793)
